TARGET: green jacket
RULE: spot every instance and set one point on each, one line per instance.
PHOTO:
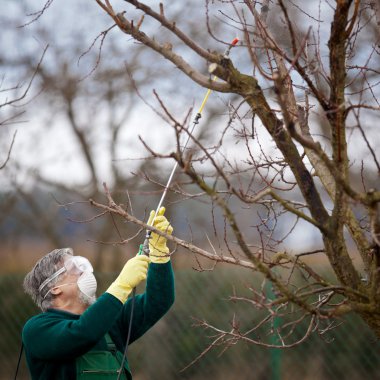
(54, 339)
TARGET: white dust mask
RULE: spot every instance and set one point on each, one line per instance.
(87, 284)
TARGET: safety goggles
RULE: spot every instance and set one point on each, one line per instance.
(74, 265)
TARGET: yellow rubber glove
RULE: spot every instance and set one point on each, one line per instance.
(159, 252)
(134, 271)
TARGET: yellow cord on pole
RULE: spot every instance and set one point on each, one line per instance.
(206, 97)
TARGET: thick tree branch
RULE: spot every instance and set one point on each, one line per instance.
(117, 210)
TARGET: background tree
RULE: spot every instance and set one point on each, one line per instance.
(81, 129)
(313, 98)
(62, 94)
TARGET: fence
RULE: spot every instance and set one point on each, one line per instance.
(350, 352)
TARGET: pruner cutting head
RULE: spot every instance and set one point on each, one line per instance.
(232, 44)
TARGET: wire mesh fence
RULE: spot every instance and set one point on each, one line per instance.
(350, 351)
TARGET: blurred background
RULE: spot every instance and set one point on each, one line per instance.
(84, 104)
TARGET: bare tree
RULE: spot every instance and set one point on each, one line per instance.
(89, 110)
(305, 127)
(78, 135)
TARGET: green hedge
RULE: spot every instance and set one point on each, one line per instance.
(348, 352)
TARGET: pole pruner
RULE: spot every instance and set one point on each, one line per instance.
(144, 248)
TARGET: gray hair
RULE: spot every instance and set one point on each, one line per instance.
(44, 268)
